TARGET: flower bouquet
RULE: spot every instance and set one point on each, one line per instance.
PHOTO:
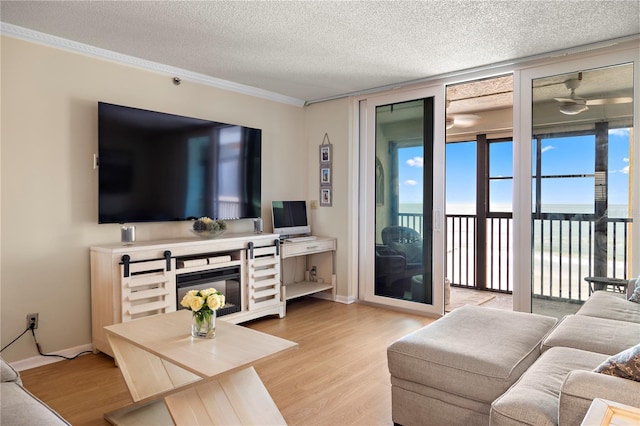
(203, 304)
(209, 228)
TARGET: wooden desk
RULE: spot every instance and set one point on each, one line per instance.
(176, 379)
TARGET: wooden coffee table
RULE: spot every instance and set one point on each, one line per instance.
(176, 379)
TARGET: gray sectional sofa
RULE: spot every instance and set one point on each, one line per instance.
(483, 366)
(19, 406)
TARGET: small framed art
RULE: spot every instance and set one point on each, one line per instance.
(325, 175)
(325, 196)
(325, 153)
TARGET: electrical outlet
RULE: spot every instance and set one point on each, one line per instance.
(32, 319)
(313, 273)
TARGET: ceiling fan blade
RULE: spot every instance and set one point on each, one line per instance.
(564, 100)
(610, 101)
(465, 120)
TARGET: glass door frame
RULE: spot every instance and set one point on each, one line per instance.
(522, 199)
(366, 224)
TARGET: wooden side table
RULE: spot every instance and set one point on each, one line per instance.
(605, 413)
(176, 379)
(604, 283)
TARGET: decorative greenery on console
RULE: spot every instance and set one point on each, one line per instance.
(205, 224)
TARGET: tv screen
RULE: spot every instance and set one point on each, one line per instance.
(162, 167)
(290, 218)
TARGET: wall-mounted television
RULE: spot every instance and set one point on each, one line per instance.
(290, 218)
(156, 167)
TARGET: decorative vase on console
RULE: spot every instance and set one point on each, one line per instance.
(203, 305)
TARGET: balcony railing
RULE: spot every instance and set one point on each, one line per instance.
(565, 250)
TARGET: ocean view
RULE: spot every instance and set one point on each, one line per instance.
(563, 251)
(615, 210)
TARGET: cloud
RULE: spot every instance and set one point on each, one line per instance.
(625, 159)
(415, 162)
(619, 132)
(625, 170)
(410, 182)
(547, 148)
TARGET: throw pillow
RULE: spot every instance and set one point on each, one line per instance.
(635, 296)
(625, 364)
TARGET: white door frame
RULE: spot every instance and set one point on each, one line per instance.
(366, 223)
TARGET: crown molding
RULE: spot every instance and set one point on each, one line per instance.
(186, 75)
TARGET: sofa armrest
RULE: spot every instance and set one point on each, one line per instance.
(581, 387)
(391, 263)
(8, 373)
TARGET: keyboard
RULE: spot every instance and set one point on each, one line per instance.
(300, 239)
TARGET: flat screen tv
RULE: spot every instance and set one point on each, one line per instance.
(290, 218)
(156, 167)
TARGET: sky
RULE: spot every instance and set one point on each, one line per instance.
(565, 156)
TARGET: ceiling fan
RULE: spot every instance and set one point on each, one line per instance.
(575, 104)
(460, 120)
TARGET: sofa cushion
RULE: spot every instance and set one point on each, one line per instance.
(602, 335)
(625, 364)
(534, 398)
(604, 304)
(20, 407)
(474, 352)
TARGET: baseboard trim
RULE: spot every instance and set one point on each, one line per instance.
(39, 361)
(347, 300)
(340, 299)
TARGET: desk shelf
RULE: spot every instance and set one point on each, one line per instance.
(319, 252)
(305, 288)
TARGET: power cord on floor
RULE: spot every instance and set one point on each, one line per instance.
(54, 355)
(33, 332)
(14, 340)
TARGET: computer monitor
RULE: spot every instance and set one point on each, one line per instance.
(290, 218)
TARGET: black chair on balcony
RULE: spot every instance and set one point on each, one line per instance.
(398, 259)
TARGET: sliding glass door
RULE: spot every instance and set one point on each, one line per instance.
(401, 266)
(582, 187)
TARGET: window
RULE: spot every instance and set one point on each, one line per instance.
(461, 177)
(500, 176)
(564, 173)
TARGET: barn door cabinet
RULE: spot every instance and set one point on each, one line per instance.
(138, 280)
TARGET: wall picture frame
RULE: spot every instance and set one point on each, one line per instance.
(325, 175)
(325, 196)
(326, 172)
(325, 153)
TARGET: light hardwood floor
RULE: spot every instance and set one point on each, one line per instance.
(338, 375)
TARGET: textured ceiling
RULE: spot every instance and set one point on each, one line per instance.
(313, 50)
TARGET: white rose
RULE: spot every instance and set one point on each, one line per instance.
(214, 302)
(206, 293)
(186, 300)
(196, 303)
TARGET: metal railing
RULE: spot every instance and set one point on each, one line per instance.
(567, 248)
(565, 251)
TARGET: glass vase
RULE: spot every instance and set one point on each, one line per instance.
(203, 324)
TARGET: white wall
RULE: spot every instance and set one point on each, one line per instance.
(334, 119)
(49, 188)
